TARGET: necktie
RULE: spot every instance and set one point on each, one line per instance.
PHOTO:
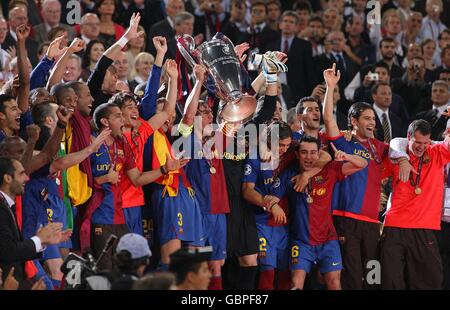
(340, 63)
(285, 47)
(386, 129)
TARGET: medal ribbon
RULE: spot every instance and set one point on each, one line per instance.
(419, 170)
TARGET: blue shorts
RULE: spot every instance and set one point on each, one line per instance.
(147, 225)
(133, 219)
(273, 247)
(215, 226)
(327, 256)
(177, 217)
(51, 252)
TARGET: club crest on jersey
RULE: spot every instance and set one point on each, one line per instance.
(247, 169)
(120, 153)
(318, 179)
(276, 182)
(118, 167)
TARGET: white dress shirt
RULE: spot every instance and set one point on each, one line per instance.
(36, 240)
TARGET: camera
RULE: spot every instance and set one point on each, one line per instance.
(212, 6)
(373, 76)
(416, 67)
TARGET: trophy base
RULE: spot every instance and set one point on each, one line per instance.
(236, 113)
(239, 110)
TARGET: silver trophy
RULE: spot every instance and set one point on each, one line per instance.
(222, 64)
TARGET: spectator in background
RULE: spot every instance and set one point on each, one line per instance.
(191, 268)
(331, 19)
(314, 33)
(412, 87)
(356, 48)
(209, 17)
(58, 32)
(42, 49)
(273, 14)
(432, 25)
(304, 11)
(388, 124)
(236, 27)
(184, 24)
(444, 40)
(51, 14)
(300, 76)
(136, 46)
(293, 120)
(89, 27)
(433, 112)
(110, 32)
(18, 16)
(412, 34)
(141, 68)
(73, 69)
(94, 50)
(428, 49)
(166, 27)
(123, 70)
(414, 50)
(444, 75)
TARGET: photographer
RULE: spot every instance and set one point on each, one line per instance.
(412, 87)
(209, 17)
(131, 258)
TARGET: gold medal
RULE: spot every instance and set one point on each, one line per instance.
(212, 170)
(418, 190)
(309, 199)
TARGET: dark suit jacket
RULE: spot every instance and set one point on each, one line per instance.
(261, 40)
(438, 125)
(397, 128)
(233, 33)
(325, 61)
(31, 45)
(300, 75)
(14, 251)
(161, 28)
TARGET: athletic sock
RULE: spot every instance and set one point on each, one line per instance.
(215, 284)
(284, 280)
(247, 276)
(266, 278)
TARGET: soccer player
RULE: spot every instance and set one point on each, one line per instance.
(410, 256)
(205, 172)
(356, 200)
(313, 237)
(110, 164)
(271, 221)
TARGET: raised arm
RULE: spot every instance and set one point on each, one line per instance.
(171, 99)
(190, 110)
(23, 31)
(354, 163)
(52, 146)
(331, 80)
(73, 159)
(38, 76)
(58, 71)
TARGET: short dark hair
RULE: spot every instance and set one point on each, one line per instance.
(309, 139)
(388, 40)
(356, 110)
(6, 168)
(300, 105)
(443, 71)
(284, 131)
(40, 111)
(277, 2)
(51, 35)
(119, 99)
(421, 126)
(290, 14)
(259, 3)
(302, 6)
(377, 85)
(446, 30)
(102, 111)
(316, 19)
(5, 98)
(57, 90)
(182, 273)
(76, 86)
(382, 64)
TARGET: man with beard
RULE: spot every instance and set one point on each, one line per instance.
(356, 199)
(313, 237)
(9, 117)
(308, 111)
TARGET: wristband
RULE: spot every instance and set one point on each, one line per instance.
(273, 205)
(271, 78)
(61, 125)
(122, 41)
(163, 169)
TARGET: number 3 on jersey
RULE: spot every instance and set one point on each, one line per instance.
(180, 222)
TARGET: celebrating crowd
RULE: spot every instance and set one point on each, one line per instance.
(338, 179)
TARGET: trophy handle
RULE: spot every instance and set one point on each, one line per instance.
(184, 50)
